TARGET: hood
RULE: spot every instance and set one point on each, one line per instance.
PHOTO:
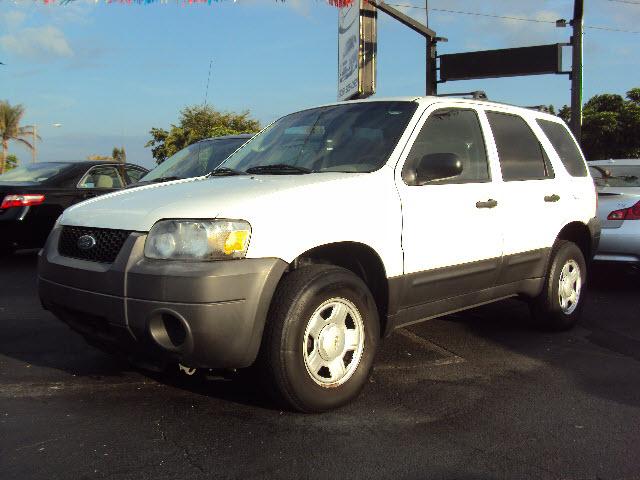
(239, 197)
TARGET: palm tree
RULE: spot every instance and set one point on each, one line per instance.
(10, 129)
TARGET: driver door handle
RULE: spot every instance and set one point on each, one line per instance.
(552, 198)
(491, 203)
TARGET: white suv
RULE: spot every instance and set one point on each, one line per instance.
(327, 231)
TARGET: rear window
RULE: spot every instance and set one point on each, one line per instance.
(37, 172)
(565, 147)
(616, 175)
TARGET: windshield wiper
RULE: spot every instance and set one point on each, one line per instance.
(165, 179)
(224, 172)
(278, 169)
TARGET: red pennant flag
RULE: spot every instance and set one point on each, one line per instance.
(340, 3)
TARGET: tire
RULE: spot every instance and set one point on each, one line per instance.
(556, 309)
(315, 313)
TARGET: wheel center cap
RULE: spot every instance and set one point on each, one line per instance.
(330, 342)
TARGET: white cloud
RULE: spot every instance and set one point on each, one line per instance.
(39, 43)
(519, 33)
(13, 19)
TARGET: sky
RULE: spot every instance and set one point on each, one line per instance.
(106, 73)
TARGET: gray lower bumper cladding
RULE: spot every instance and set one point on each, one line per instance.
(202, 314)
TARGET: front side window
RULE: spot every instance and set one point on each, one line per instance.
(102, 176)
(521, 154)
(457, 131)
(352, 137)
(565, 147)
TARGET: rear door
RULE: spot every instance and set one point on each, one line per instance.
(452, 236)
(530, 197)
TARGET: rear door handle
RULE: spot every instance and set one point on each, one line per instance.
(491, 203)
(552, 198)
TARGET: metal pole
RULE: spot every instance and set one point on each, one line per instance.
(576, 69)
(430, 35)
(430, 64)
(427, 48)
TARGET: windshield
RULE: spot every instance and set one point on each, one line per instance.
(195, 160)
(37, 172)
(356, 137)
(616, 175)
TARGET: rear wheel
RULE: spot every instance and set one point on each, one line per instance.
(320, 339)
(559, 305)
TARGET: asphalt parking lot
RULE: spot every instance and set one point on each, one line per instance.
(479, 395)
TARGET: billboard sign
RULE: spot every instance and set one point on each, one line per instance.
(507, 62)
(356, 50)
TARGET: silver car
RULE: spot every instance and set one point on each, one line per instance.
(618, 186)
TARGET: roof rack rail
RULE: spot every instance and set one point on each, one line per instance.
(540, 108)
(476, 95)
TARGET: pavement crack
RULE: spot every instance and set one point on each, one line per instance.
(39, 444)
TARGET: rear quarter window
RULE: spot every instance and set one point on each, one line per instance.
(565, 147)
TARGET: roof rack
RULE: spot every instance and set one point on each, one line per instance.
(475, 95)
(540, 108)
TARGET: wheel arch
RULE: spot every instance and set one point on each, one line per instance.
(359, 258)
(578, 233)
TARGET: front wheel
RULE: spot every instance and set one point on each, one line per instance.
(320, 338)
(559, 305)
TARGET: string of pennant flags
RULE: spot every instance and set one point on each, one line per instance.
(335, 3)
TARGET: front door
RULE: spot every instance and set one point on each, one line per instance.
(452, 235)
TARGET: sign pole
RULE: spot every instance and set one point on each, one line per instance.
(576, 69)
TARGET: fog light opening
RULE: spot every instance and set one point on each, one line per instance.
(169, 330)
(175, 329)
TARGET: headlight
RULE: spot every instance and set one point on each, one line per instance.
(198, 240)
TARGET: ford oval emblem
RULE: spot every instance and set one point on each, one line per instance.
(86, 242)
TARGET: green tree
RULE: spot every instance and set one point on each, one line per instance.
(196, 123)
(96, 157)
(11, 163)
(10, 129)
(610, 126)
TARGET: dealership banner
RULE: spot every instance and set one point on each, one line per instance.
(356, 50)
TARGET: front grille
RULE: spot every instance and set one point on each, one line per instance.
(107, 243)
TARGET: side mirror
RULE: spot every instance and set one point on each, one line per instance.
(437, 166)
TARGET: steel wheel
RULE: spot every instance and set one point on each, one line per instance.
(569, 287)
(333, 342)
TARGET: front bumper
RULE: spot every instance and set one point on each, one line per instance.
(202, 314)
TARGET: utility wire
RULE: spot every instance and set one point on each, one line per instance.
(506, 17)
(628, 2)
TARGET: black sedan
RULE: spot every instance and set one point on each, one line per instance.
(34, 195)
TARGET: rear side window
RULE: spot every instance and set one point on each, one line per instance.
(565, 147)
(134, 174)
(521, 154)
